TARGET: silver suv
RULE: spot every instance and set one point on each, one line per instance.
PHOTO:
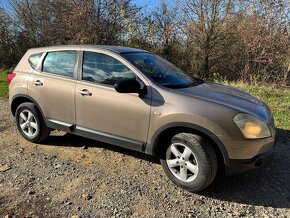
(137, 100)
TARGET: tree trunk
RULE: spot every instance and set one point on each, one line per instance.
(206, 68)
(287, 76)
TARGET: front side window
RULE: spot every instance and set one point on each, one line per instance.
(60, 63)
(34, 59)
(104, 69)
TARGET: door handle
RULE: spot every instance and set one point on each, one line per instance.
(84, 92)
(38, 83)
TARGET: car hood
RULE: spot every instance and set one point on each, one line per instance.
(230, 97)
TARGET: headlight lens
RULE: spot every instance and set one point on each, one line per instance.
(252, 127)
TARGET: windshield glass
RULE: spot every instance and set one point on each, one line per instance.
(160, 70)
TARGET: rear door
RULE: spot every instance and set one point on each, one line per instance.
(53, 87)
(105, 114)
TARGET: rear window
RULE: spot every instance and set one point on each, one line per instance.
(60, 63)
(34, 59)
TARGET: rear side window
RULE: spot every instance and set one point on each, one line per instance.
(34, 59)
(60, 63)
(104, 69)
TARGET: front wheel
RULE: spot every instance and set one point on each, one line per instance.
(190, 162)
(30, 123)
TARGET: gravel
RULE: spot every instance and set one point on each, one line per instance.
(70, 176)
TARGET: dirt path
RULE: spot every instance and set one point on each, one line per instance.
(61, 179)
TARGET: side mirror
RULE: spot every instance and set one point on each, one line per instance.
(128, 86)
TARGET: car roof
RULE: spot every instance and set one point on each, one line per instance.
(112, 48)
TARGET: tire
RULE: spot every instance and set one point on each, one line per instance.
(30, 123)
(190, 162)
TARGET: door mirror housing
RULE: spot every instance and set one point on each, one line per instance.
(128, 86)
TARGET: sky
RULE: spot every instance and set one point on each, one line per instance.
(3, 3)
(147, 3)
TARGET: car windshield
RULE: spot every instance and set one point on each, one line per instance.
(160, 70)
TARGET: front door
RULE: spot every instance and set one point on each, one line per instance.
(103, 113)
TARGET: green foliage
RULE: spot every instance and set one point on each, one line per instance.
(277, 99)
(3, 84)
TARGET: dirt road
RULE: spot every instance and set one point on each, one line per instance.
(61, 178)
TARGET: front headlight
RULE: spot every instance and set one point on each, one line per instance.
(252, 127)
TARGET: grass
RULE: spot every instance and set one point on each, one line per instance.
(3, 84)
(277, 99)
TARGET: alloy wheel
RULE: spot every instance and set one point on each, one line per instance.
(28, 123)
(182, 162)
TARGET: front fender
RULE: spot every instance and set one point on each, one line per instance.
(215, 133)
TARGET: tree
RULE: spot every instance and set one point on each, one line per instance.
(164, 22)
(263, 30)
(49, 22)
(6, 39)
(206, 30)
(212, 39)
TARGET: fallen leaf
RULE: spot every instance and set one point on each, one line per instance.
(236, 213)
(4, 168)
(87, 196)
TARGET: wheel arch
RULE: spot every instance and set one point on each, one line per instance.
(21, 98)
(171, 129)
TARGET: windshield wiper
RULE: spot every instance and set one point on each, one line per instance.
(197, 82)
(175, 86)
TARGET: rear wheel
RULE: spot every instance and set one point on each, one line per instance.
(190, 162)
(30, 123)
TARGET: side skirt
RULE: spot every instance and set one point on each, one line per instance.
(97, 135)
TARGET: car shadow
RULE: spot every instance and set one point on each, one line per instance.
(71, 140)
(268, 187)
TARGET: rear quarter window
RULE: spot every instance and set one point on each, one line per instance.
(34, 60)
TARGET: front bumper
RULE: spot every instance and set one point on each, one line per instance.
(241, 165)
